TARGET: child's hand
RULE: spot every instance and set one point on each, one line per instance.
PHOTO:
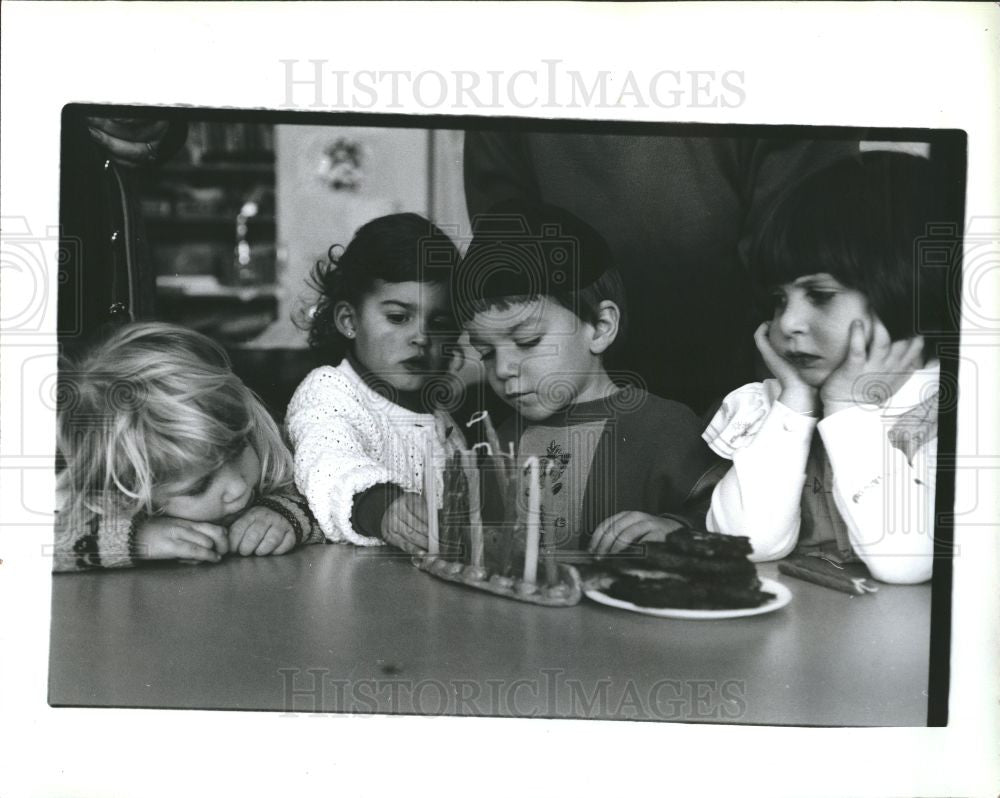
(404, 524)
(795, 393)
(870, 374)
(166, 538)
(261, 531)
(628, 527)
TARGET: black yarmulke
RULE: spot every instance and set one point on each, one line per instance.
(529, 249)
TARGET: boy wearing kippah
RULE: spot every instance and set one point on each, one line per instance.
(543, 304)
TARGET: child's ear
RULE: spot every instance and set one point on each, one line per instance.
(606, 327)
(345, 318)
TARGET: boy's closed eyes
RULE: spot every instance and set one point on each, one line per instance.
(518, 339)
(540, 357)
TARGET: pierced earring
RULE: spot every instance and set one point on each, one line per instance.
(349, 333)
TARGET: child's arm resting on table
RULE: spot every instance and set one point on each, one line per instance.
(397, 517)
(120, 539)
(404, 524)
(388, 512)
(275, 524)
(630, 527)
(334, 437)
(759, 497)
(166, 538)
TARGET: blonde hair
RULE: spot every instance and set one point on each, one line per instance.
(152, 404)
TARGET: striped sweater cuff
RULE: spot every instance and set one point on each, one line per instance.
(296, 512)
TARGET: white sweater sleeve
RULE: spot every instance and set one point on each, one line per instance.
(336, 440)
(759, 497)
(886, 500)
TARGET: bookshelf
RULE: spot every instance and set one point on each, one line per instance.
(210, 222)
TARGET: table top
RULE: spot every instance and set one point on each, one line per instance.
(343, 629)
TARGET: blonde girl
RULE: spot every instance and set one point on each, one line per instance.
(168, 455)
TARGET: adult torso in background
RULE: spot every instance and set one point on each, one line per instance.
(105, 276)
(678, 213)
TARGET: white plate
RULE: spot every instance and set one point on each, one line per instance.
(782, 595)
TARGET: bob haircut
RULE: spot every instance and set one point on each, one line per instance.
(151, 404)
(398, 248)
(584, 303)
(522, 251)
(862, 221)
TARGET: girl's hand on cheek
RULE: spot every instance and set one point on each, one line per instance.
(870, 374)
(795, 393)
(166, 538)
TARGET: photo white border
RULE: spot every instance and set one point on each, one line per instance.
(933, 65)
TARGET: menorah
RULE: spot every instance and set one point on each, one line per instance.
(498, 550)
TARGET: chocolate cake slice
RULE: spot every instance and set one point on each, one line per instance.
(691, 569)
(699, 543)
(672, 590)
(734, 569)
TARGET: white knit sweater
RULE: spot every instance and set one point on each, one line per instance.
(347, 438)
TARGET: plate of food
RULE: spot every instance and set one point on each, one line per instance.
(781, 595)
(693, 574)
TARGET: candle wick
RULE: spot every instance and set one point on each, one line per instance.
(475, 418)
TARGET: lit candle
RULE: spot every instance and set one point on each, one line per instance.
(430, 496)
(532, 523)
(493, 441)
(475, 515)
(483, 417)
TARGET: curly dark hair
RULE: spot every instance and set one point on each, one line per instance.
(396, 248)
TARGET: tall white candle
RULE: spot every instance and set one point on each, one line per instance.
(549, 550)
(430, 496)
(532, 523)
(475, 515)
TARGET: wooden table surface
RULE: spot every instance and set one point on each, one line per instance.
(343, 629)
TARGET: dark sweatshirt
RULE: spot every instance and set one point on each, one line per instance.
(629, 451)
